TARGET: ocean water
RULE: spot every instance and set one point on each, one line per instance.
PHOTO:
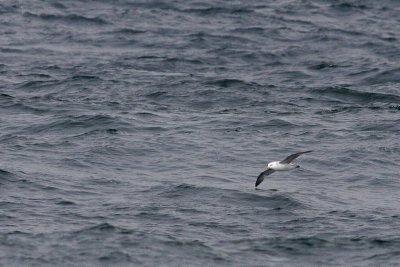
(132, 133)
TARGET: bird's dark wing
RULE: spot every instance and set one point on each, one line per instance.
(262, 175)
(292, 157)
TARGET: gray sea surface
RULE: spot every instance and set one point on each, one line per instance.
(132, 133)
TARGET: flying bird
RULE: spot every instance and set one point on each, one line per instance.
(283, 165)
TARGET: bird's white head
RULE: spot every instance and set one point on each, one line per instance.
(270, 165)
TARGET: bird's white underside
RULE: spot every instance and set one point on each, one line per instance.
(277, 166)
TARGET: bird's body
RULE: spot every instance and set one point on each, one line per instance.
(278, 166)
(283, 165)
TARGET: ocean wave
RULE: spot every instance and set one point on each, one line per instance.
(356, 109)
(386, 76)
(183, 190)
(4, 173)
(323, 65)
(6, 177)
(70, 19)
(125, 31)
(348, 6)
(277, 123)
(346, 94)
(232, 83)
(208, 11)
(392, 125)
(99, 121)
(66, 203)
(102, 228)
(276, 201)
(38, 84)
(226, 196)
(314, 244)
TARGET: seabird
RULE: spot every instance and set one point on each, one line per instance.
(283, 165)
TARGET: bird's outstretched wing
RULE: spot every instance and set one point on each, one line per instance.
(262, 175)
(292, 157)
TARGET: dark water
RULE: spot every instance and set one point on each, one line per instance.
(132, 133)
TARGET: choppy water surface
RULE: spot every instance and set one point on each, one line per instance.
(132, 133)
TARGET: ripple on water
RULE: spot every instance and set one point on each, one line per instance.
(346, 94)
